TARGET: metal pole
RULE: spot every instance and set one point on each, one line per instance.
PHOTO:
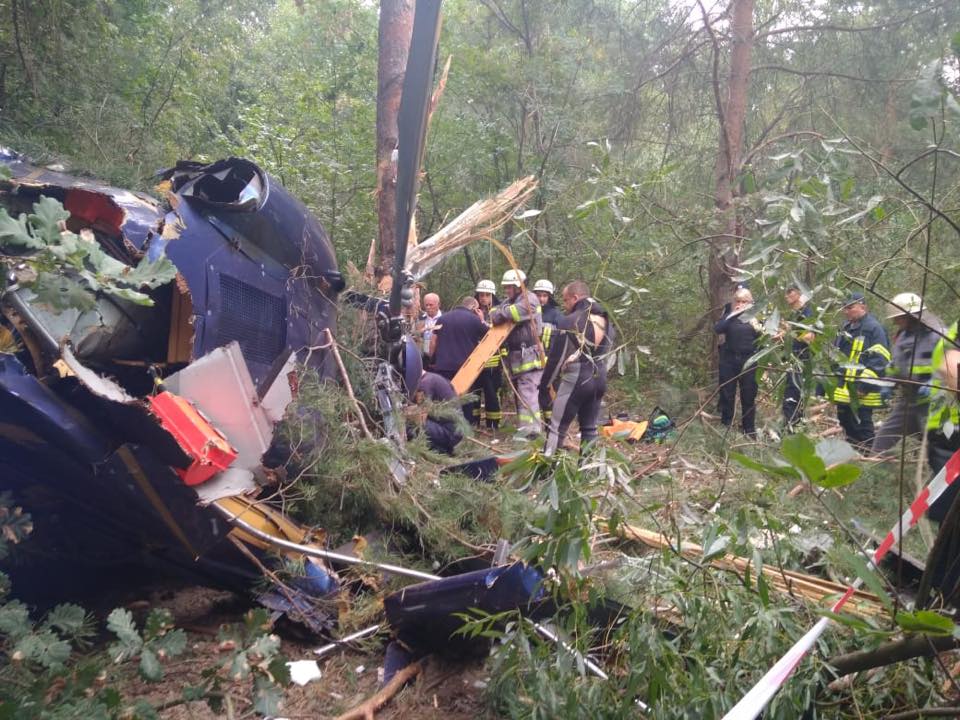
(372, 630)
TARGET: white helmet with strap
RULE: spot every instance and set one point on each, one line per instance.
(486, 286)
(514, 277)
(544, 286)
(905, 304)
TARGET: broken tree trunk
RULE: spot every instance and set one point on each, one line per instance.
(731, 114)
(395, 30)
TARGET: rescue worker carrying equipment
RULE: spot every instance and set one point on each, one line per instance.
(740, 331)
(863, 343)
(524, 359)
(919, 331)
(577, 366)
(490, 379)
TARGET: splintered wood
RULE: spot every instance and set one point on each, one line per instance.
(789, 582)
(489, 344)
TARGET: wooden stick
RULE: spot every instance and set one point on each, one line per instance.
(347, 385)
(367, 709)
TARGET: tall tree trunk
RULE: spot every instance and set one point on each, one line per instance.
(724, 250)
(396, 27)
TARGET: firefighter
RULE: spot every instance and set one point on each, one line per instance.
(918, 332)
(524, 359)
(544, 290)
(577, 366)
(740, 331)
(490, 380)
(943, 420)
(862, 342)
(800, 339)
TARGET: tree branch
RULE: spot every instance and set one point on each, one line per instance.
(854, 28)
(777, 138)
(892, 652)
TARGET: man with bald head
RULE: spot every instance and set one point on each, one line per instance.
(427, 320)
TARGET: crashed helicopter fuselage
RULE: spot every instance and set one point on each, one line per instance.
(86, 441)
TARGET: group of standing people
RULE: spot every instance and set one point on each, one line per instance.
(552, 361)
(868, 369)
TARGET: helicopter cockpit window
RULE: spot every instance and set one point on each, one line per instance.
(239, 185)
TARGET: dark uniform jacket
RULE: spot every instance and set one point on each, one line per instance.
(457, 333)
(741, 336)
(584, 336)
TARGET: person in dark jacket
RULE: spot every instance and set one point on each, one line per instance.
(551, 313)
(455, 336)
(800, 336)
(490, 380)
(862, 342)
(442, 434)
(740, 332)
(577, 367)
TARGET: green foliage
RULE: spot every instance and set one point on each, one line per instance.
(803, 457)
(158, 641)
(66, 270)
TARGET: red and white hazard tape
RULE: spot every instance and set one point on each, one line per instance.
(753, 702)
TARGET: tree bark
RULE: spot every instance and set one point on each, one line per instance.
(395, 29)
(731, 111)
(889, 653)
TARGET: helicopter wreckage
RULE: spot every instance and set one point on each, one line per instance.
(138, 432)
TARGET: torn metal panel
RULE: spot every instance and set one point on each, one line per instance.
(220, 385)
(118, 212)
(424, 615)
(280, 393)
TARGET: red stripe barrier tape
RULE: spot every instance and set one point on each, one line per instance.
(756, 699)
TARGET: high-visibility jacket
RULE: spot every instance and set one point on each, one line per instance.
(864, 342)
(523, 342)
(913, 355)
(943, 406)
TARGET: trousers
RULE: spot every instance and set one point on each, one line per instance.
(578, 396)
(487, 387)
(857, 426)
(732, 376)
(906, 418)
(527, 388)
(793, 399)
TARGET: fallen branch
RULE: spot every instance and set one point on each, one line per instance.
(952, 711)
(790, 582)
(367, 709)
(348, 385)
(892, 652)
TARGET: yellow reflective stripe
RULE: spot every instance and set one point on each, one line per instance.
(532, 365)
(493, 362)
(880, 350)
(545, 338)
(491, 415)
(515, 313)
(922, 370)
(939, 417)
(855, 349)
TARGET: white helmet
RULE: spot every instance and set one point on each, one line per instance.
(486, 286)
(544, 286)
(514, 277)
(905, 304)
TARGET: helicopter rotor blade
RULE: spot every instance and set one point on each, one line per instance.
(412, 128)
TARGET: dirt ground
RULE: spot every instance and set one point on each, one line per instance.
(446, 689)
